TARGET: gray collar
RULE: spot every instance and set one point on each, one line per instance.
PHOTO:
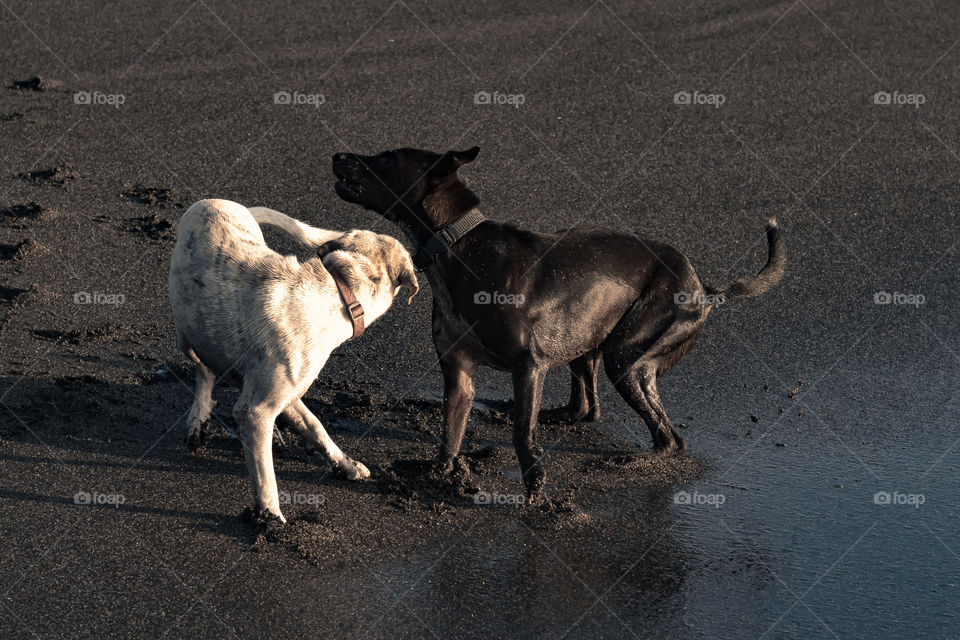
(446, 237)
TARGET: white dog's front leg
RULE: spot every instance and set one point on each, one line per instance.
(310, 429)
(256, 435)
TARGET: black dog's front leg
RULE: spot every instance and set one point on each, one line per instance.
(527, 390)
(458, 393)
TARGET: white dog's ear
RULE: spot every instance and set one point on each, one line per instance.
(329, 247)
(408, 279)
(400, 266)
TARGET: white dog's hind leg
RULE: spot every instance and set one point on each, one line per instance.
(302, 420)
(198, 421)
(255, 424)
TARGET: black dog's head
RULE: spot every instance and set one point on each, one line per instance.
(418, 190)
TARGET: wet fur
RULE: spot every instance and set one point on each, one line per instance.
(589, 296)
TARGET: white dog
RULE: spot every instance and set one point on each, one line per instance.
(268, 322)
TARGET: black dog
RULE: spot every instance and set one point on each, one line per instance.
(524, 302)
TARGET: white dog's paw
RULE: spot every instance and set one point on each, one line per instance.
(362, 471)
(197, 434)
(264, 520)
(353, 470)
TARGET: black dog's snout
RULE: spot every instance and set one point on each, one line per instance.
(343, 165)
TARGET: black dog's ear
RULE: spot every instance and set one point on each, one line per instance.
(463, 157)
(453, 160)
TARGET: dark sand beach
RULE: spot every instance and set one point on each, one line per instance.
(818, 495)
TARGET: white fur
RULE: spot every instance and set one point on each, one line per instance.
(269, 322)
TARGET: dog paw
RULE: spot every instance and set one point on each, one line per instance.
(196, 438)
(560, 415)
(263, 521)
(534, 481)
(353, 470)
(681, 444)
(442, 468)
(671, 447)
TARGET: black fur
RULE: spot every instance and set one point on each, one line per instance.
(581, 296)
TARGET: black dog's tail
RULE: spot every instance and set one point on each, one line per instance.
(768, 277)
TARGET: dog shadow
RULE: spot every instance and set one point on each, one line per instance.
(90, 425)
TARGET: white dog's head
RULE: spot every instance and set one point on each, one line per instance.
(382, 251)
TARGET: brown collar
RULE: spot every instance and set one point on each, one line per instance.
(354, 309)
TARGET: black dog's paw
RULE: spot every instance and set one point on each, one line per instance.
(680, 444)
(534, 481)
(560, 415)
(670, 447)
(449, 475)
(568, 415)
(668, 442)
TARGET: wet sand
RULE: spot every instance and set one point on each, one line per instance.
(817, 498)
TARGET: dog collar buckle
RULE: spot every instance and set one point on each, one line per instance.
(446, 237)
(356, 310)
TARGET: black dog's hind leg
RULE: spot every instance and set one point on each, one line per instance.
(651, 338)
(527, 391)
(458, 393)
(638, 386)
(584, 405)
(649, 385)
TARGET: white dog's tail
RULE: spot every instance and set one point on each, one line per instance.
(303, 233)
